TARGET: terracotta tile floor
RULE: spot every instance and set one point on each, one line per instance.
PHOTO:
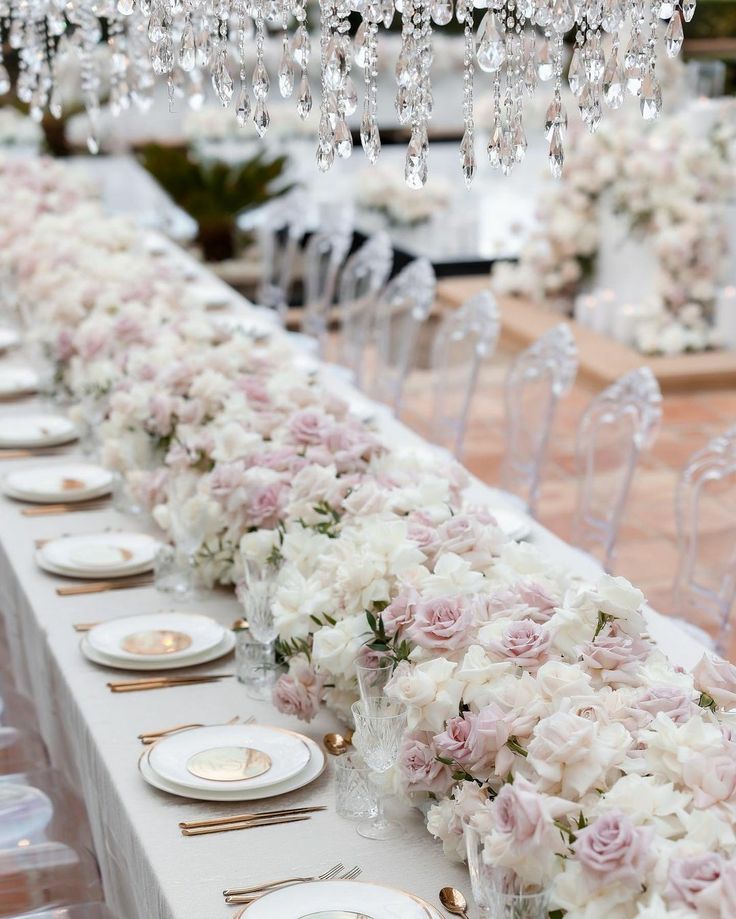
(647, 549)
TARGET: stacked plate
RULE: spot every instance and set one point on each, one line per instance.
(70, 482)
(17, 381)
(340, 900)
(28, 431)
(99, 555)
(158, 641)
(232, 762)
(8, 339)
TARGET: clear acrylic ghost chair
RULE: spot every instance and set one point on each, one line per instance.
(536, 380)
(45, 875)
(324, 254)
(705, 513)
(21, 750)
(463, 339)
(77, 911)
(279, 226)
(364, 275)
(617, 426)
(16, 710)
(401, 309)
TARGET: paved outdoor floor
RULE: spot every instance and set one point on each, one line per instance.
(647, 548)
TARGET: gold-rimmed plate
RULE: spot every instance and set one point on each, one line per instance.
(361, 898)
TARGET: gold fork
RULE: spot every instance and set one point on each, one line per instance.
(347, 876)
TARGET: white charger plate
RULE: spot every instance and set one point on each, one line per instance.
(313, 770)
(373, 900)
(21, 431)
(45, 484)
(288, 752)
(204, 657)
(204, 634)
(66, 555)
(9, 338)
(514, 524)
(17, 381)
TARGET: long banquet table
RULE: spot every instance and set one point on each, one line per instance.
(149, 870)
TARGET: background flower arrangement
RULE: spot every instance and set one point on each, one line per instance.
(538, 709)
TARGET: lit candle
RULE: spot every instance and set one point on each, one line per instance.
(624, 323)
(585, 309)
(725, 317)
(605, 311)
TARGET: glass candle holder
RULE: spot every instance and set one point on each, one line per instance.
(355, 793)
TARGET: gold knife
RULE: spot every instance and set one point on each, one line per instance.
(97, 587)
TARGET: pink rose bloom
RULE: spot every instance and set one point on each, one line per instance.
(522, 601)
(284, 459)
(525, 643)
(64, 345)
(616, 657)
(669, 701)
(612, 850)
(458, 741)
(151, 490)
(335, 406)
(519, 812)
(478, 541)
(299, 692)
(398, 613)
(423, 532)
(128, 330)
(710, 778)
(254, 390)
(161, 408)
(265, 505)
(445, 623)
(190, 411)
(308, 427)
(420, 768)
(688, 877)
(717, 678)
(91, 345)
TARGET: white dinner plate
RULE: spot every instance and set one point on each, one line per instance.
(69, 483)
(313, 770)
(117, 637)
(286, 753)
(514, 524)
(17, 381)
(20, 431)
(9, 338)
(105, 555)
(203, 657)
(374, 901)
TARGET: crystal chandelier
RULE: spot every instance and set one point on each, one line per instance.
(516, 47)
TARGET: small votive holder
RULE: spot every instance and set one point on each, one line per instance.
(356, 797)
(255, 666)
(165, 570)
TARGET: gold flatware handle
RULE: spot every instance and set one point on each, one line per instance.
(256, 815)
(48, 510)
(148, 738)
(84, 626)
(98, 587)
(135, 685)
(245, 825)
(23, 454)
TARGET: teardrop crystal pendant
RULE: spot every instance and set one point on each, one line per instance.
(304, 102)
(556, 153)
(187, 49)
(441, 12)
(494, 145)
(325, 155)
(261, 118)
(261, 81)
(370, 137)
(674, 36)
(286, 73)
(556, 116)
(243, 111)
(467, 158)
(545, 64)
(336, 65)
(688, 9)
(125, 7)
(343, 139)
(222, 82)
(359, 46)
(576, 73)
(204, 48)
(416, 167)
(491, 50)
(613, 83)
(349, 97)
(650, 100)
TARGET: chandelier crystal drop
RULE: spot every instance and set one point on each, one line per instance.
(513, 49)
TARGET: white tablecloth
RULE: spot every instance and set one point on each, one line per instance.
(149, 870)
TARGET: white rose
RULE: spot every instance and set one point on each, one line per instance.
(336, 647)
(232, 442)
(429, 690)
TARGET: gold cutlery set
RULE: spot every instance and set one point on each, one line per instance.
(248, 820)
(70, 507)
(237, 896)
(98, 587)
(165, 682)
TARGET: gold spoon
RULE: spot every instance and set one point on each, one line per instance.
(337, 744)
(454, 902)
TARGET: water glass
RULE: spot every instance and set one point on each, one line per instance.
(373, 678)
(500, 893)
(255, 666)
(379, 729)
(355, 793)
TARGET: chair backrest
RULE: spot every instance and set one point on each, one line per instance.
(401, 309)
(536, 380)
(616, 427)
(463, 339)
(705, 513)
(280, 226)
(323, 257)
(364, 275)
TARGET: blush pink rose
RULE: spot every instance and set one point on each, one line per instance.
(612, 850)
(522, 601)
(254, 389)
(420, 769)
(668, 700)
(64, 345)
(459, 742)
(519, 812)
(445, 622)
(710, 778)
(525, 643)
(689, 877)
(717, 678)
(308, 428)
(616, 657)
(299, 692)
(398, 614)
(265, 504)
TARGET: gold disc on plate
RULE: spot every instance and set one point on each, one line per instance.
(72, 484)
(229, 764)
(158, 641)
